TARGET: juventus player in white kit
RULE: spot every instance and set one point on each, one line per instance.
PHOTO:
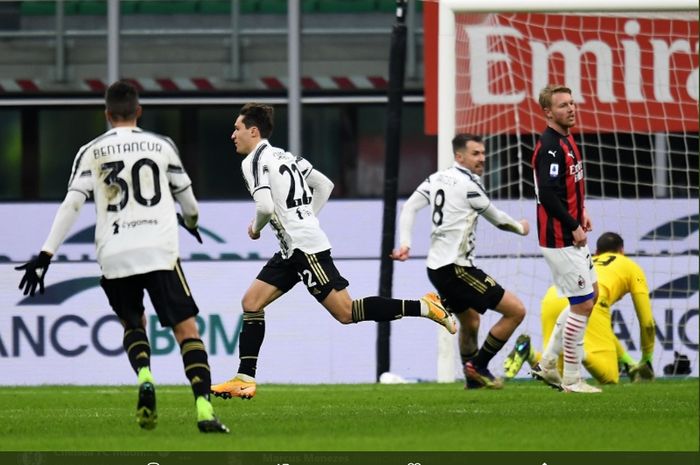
(281, 185)
(134, 177)
(456, 199)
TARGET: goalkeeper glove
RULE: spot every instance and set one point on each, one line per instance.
(643, 371)
(194, 231)
(34, 272)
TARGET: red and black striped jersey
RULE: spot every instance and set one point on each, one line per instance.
(559, 187)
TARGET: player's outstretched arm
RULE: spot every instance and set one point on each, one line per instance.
(65, 217)
(35, 269)
(504, 221)
(34, 272)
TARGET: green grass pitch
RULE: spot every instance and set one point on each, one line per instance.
(525, 416)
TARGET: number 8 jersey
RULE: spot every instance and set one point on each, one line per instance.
(284, 174)
(132, 176)
(456, 199)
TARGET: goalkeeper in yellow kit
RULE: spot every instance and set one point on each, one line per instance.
(603, 352)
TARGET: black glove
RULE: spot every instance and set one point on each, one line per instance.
(34, 272)
(194, 231)
(642, 371)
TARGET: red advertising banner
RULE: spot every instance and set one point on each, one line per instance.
(634, 73)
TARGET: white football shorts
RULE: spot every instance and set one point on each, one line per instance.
(572, 270)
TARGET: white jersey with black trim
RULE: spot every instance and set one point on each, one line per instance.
(132, 175)
(456, 199)
(293, 220)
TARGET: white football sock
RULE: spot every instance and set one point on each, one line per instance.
(572, 337)
(554, 345)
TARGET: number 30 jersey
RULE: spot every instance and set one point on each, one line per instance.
(132, 176)
(293, 220)
(456, 199)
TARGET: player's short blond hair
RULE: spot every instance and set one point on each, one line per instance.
(546, 94)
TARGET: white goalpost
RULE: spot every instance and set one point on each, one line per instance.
(633, 68)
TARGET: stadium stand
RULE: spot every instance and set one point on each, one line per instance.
(163, 7)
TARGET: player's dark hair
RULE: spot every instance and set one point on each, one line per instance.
(546, 94)
(122, 100)
(460, 141)
(259, 115)
(609, 242)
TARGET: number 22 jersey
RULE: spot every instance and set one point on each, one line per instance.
(284, 174)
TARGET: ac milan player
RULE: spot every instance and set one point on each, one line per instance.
(562, 223)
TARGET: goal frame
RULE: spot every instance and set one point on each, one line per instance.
(447, 52)
(446, 83)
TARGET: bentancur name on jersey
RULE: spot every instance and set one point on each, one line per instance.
(127, 147)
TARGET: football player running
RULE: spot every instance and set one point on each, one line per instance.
(135, 177)
(456, 198)
(288, 194)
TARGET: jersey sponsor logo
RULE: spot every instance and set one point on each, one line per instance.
(552, 152)
(570, 154)
(304, 212)
(554, 170)
(137, 223)
(132, 224)
(576, 171)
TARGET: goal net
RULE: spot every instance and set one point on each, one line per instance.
(634, 76)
